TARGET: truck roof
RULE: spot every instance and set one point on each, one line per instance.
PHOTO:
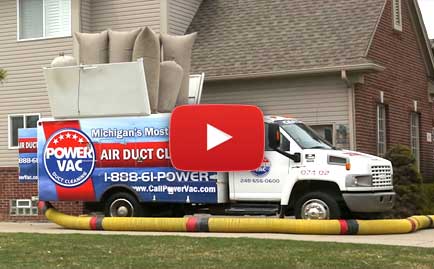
(279, 119)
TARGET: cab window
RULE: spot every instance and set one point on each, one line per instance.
(284, 142)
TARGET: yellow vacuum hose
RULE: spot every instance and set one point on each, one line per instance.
(239, 225)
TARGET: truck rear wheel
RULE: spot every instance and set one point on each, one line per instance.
(317, 205)
(123, 204)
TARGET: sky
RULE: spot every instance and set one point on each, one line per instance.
(427, 8)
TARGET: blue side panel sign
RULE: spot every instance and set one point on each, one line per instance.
(27, 155)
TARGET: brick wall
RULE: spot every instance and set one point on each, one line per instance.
(404, 80)
(10, 188)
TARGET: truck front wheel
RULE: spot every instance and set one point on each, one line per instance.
(122, 204)
(317, 205)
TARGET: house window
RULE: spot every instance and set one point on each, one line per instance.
(397, 15)
(16, 122)
(44, 18)
(381, 130)
(325, 131)
(23, 207)
(414, 137)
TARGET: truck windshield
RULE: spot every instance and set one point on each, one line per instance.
(305, 136)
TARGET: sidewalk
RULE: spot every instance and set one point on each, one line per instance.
(424, 238)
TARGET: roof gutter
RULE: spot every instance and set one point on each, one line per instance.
(365, 67)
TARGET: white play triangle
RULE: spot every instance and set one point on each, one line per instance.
(215, 137)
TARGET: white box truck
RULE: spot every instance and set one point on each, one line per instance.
(121, 164)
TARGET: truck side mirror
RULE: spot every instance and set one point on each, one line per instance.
(273, 136)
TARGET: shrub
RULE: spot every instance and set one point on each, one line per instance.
(405, 170)
(410, 198)
(2, 74)
(428, 194)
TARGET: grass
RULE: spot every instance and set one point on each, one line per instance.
(121, 251)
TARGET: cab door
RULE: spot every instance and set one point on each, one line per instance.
(264, 183)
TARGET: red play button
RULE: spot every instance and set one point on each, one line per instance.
(216, 137)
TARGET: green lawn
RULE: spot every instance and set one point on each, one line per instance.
(120, 251)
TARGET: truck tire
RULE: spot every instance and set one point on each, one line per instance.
(123, 204)
(317, 205)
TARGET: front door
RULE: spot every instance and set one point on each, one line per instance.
(264, 183)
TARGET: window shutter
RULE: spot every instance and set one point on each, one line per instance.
(57, 18)
(31, 19)
(397, 15)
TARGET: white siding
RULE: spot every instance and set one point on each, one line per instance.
(181, 13)
(124, 14)
(85, 16)
(24, 89)
(314, 100)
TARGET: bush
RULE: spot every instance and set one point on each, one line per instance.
(410, 195)
(2, 74)
(405, 170)
(428, 194)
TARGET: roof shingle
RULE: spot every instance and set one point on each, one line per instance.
(239, 37)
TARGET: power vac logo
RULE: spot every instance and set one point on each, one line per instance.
(264, 169)
(69, 157)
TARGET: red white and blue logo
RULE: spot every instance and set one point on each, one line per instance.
(262, 170)
(69, 157)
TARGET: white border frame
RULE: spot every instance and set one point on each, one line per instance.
(24, 123)
(43, 24)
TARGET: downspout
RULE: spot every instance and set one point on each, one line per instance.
(351, 110)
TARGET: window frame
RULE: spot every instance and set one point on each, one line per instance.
(417, 137)
(331, 124)
(24, 115)
(19, 39)
(396, 26)
(384, 108)
(14, 209)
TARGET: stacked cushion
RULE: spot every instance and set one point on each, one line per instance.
(167, 82)
(147, 46)
(121, 45)
(93, 47)
(178, 48)
(170, 83)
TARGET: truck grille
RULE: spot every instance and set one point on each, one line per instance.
(381, 175)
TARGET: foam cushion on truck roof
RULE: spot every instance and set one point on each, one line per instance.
(170, 84)
(178, 48)
(147, 46)
(93, 48)
(121, 45)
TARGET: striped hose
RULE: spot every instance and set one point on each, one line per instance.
(239, 225)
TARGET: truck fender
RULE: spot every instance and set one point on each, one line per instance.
(287, 188)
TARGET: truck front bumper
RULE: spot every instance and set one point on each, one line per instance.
(369, 202)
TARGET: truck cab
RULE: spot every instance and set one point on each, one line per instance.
(309, 177)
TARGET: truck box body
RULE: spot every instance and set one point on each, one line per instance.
(81, 159)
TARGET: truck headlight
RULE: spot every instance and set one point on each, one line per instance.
(358, 181)
(334, 160)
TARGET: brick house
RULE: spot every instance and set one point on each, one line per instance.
(359, 72)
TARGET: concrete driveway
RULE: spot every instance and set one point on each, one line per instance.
(424, 238)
